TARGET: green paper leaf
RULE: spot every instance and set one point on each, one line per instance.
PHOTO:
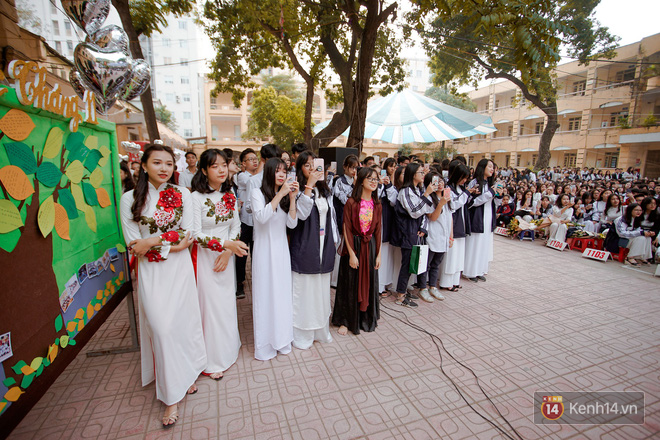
(46, 362)
(59, 323)
(80, 154)
(72, 342)
(90, 194)
(48, 174)
(18, 366)
(92, 160)
(8, 382)
(27, 380)
(120, 247)
(57, 341)
(53, 143)
(73, 142)
(41, 368)
(22, 156)
(10, 217)
(65, 198)
(10, 240)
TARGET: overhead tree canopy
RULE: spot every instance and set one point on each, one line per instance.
(458, 100)
(308, 36)
(516, 40)
(276, 116)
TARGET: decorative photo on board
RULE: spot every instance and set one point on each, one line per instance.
(5, 346)
(92, 269)
(99, 265)
(106, 260)
(73, 285)
(114, 254)
(82, 274)
(65, 300)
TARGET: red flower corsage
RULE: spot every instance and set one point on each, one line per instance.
(229, 200)
(170, 236)
(169, 199)
(154, 256)
(214, 245)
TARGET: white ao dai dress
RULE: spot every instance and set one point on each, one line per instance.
(215, 220)
(171, 339)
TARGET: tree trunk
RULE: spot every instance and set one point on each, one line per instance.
(309, 106)
(546, 138)
(146, 98)
(338, 124)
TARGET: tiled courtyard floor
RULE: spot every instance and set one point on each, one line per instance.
(544, 320)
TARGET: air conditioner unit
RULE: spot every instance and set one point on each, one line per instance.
(604, 124)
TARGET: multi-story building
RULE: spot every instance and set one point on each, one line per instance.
(597, 104)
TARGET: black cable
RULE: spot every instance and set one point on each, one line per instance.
(456, 387)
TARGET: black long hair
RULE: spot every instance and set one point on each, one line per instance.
(397, 174)
(409, 175)
(142, 185)
(127, 182)
(301, 160)
(608, 203)
(200, 181)
(457, 172)
(388, 163)
(627, 216)
(653, 216)
(427, 181)
(268, 183)
(362, 174)
(480, 171)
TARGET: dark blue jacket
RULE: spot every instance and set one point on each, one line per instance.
(304, 244)
(461, 218)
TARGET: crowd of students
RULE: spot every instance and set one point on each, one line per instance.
(308, 228)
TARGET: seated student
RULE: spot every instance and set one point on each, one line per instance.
(628, 232)
(651, 220)
(613, 210)
(504, 212)
(562, 213)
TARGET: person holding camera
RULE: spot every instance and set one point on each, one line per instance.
(313, 248)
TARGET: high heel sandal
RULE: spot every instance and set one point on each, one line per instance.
(170, 419)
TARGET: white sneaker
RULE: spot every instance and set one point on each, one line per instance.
(436, 293)
(424, 294)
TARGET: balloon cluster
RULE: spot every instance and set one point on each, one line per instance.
(103, 63)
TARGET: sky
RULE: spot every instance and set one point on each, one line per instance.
(631, 20)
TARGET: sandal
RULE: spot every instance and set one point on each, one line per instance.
(170, 419)
(450, 289)
(632, 262)
(193, 389)
(211, 375)
(644, 262)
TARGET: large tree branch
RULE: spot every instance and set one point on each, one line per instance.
(289, 51)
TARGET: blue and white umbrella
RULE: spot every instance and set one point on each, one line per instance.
(406, 117)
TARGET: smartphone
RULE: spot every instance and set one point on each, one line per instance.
(383, 173)
(291, 175)
(333, 166)
(446, 193)
(427, 166)
(436, 180)
(319, 165)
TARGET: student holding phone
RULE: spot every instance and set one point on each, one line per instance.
(273, 210)
(313, 244)
(440, 227)
(387, 193)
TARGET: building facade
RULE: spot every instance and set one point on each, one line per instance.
(607, 112)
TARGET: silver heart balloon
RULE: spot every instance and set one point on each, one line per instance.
(88, 14)
(139, 82)
(110, 38)
(104, 73)
(76, 82)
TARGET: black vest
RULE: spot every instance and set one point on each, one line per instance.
(461, 218)
(304, 244)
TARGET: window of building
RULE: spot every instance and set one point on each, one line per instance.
(611, 159)
(58, 46)
(509, 131)
(56, 27)
(569, 160)
(53, 9)
(167, 60)
(169, 79)
(214, 100)
(512, 101)
(618, 117)
(182, 25)
(518, 160)
(521, 130)
(574, 124)
(538, 128)
(625, 75)
(579, 86)
(166, 42)
(215, 132)
(487, 105)
(534, 159)
(187, 132)
(470, 161)
(187, 115)
(183, 44)
(507, 160)
(497, 104)
(69, 45)
(186, 98)
(169, 97)
(67, 28)
(184, 61)
(185, 80)
(419, 74)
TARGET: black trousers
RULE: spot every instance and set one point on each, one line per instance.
(435, 258)
(246, 237)
(404, 273)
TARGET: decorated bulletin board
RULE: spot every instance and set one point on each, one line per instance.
(61, 253)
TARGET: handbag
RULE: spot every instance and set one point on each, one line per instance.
(419, 257)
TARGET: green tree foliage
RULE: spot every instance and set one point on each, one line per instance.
(284, 85)
(517, 40)
(308, 36)
(277, 117)
(165, 116)
(458, 100)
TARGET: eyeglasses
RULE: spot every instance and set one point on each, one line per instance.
(372, 179)
(250, 159)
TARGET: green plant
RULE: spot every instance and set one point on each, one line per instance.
(650, 121)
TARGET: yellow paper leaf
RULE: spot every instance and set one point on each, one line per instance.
(90, 311)
(92, 142)
(102, 162)
(112, 267)
(16, 124)
(90, 217)
(46, 216)
(112, 290)
(97, 307)
(13, 394)
(75, 171)
(64, 341)
(80, 313)
(78, 196)
(121, 275)
(54, 142)
(52, 352)
(36, 363)
(70, 326)
(10, 218)
(3, 403)
(105, 300)
(108, 284)
(61, 222)
(96, 178)
(99, 294)
(17, 184)
(27, 370)
(105, 151)
(104, 198)
(81, 324)
(106, 292)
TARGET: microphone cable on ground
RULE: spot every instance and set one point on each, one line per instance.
(435, 339)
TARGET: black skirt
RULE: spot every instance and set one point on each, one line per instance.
(346, 310)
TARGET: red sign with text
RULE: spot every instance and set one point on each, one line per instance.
(501, 231)
(556, 244)
(596, 254)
